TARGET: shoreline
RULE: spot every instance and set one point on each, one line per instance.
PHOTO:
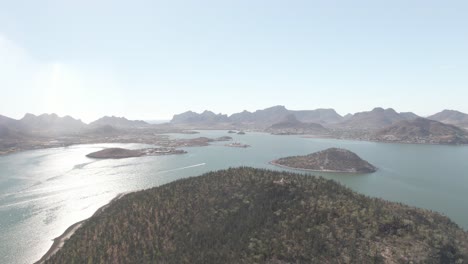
(41, 147)
(311, 170)
(60, 240)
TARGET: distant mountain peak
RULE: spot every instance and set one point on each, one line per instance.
(452, 117)
(118, 122)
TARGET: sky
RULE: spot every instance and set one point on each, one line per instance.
(153, 59)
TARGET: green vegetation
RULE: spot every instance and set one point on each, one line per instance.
(247, 215)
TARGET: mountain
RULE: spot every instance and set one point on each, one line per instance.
(319, 116)
(422, 130)
(409, 115)
(291, 126)
(259, 119)
(265, 117)
(51, 124)
(118, 122)
(10, 128)
(376, 119)
(248, 215)
(451, 117)
(207, 117)
(332, 159)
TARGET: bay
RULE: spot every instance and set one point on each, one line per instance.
(43, 192)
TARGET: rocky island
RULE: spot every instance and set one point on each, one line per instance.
(121, 153)
(329, 160)
(247, 215)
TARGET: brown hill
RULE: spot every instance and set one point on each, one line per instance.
(376, 119)
(118, 122)
(422, 130)
(291, 126)
(332, 159)
(51, 124)
(452, 117)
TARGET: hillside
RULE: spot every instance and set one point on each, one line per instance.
(422, 130)
(51, 124)
(332, 159)
(10, 128)
(263, 118)
(319, 116)
(451, 117)
(206, 118)
(376, 119)
(118, 122)
(248, 215)
(291, 126)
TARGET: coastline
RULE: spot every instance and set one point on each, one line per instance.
(5, 152)
(311, 170)
(60, 240)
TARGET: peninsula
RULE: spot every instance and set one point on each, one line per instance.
(121, 153)
(329, 160)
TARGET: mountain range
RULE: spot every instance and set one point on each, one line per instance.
(118, 122)
(260, 118)
(376, 119)
(54, 125)
(378, 124)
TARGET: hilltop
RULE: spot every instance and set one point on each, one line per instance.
(118, 122)
(452, 117)
(248, 215)
(332, 160)
(263, 118)
(422, 130)
(378, 118)
(291, 126)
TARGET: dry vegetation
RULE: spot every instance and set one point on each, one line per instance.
(248, 215)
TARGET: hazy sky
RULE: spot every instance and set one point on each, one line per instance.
(151, 59)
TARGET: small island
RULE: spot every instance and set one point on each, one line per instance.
(121, 153)
(329, 160)
(241, 133)
(237, 145)
(232, 132)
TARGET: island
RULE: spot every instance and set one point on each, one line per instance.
(329, 160)
(247, 215)
(241, 133)
(231, 132)
(237, 145)
(121, 153)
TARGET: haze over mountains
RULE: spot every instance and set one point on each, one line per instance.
(375, 119)
(260, 118)
(447, 127)
(451, 117)
(423, 130)
(52, 124)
